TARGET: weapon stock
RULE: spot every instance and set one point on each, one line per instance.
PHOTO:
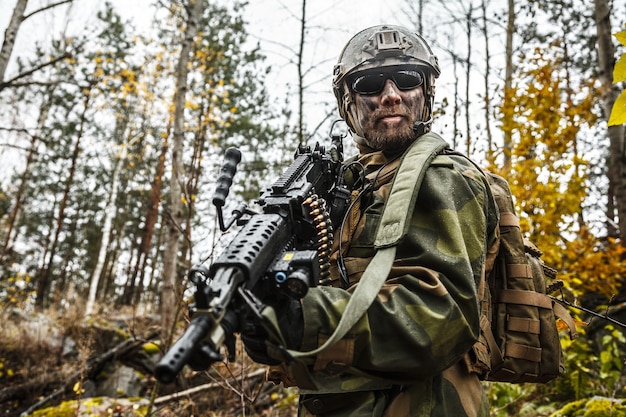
(283, 250)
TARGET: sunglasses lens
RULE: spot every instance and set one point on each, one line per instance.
(369, 83)
(373, 83)
(406, 80)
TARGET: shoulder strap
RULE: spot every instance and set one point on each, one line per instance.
(393, 227)
(394, 223)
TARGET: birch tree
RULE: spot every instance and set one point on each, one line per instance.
(10, 34)
(170, 286)
(109, 215)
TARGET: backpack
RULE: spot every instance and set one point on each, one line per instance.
(519, 339)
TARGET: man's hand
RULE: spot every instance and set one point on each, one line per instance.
(256, 339)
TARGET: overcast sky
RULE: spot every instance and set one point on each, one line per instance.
(331, 24)
(273, 23)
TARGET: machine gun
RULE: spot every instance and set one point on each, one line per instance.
(282, 250)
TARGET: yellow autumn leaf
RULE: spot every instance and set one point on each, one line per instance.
(621, 37)
(77, 388)
(578, 322)
(619, 72)
(618, 113)
(561, 325)
(151, 347)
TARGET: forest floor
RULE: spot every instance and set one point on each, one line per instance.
(64, 365)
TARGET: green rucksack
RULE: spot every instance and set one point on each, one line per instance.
(519, 339)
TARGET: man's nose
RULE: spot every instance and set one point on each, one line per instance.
(390, 94)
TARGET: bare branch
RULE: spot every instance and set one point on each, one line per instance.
(53, 61)
(50, 6)
(182, 394)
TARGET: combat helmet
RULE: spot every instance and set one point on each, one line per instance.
(383, 46)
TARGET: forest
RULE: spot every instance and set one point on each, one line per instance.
(113, 130)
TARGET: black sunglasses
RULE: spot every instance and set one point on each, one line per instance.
(374, 82)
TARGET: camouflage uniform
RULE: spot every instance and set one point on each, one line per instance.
(404, 357)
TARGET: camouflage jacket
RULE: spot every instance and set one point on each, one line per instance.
(404, 357)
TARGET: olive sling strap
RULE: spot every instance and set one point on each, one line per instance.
(393, 227)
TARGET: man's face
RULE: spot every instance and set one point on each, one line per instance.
(387, 106)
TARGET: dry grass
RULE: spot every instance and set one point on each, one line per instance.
(33, 364)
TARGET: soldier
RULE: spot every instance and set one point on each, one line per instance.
(407, 355)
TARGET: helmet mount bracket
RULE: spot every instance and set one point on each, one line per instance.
(387, 43)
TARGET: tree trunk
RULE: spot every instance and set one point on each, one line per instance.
(10, 34)
(151, 218)
(617, 157)
(484, 29)
(8, 44)
(170, 275)
(65, 278)
(301, 75)
(468, 72)
(508, 84)
(191, 189)
(456, 108)
(152, 282)
(109, 215)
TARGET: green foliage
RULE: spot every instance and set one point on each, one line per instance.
(580, 361)
(594, 364)
(612, 361)
(593, 407)
(509, 399)
(595, 369)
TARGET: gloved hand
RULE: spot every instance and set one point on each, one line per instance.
(204, 355)
(291, 323)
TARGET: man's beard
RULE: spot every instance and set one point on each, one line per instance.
(391, 140)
